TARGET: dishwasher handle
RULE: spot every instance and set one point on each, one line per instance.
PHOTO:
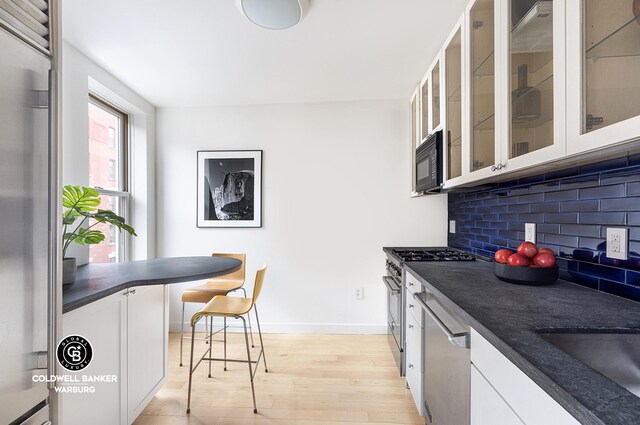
(394, 288)
(460, 340)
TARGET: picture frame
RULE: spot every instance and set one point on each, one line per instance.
(229, 188)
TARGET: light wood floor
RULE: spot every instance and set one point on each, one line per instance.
(312, 379)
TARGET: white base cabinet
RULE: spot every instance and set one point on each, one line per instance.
(414, 351)
(128, 332)
(487, 406)
(502, 394)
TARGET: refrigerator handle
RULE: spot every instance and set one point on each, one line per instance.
(54, 288)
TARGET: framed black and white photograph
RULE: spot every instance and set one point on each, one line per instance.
(229, 189)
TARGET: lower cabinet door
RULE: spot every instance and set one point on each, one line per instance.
(487, 406)
(414, 371)
(147, 333)
(102, 323)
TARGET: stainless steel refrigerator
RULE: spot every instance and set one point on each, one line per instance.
(28, 223)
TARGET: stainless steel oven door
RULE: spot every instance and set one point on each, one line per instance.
(447, 364)
(394, 318)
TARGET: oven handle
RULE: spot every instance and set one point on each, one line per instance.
(390, 286)
(460, 340)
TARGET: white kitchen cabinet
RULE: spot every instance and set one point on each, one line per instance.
(128, 332)
(603, 64)
(532, 84)
(483, 108)
(147, 346)
(414, 357)
(415, 136)
(487, 406)
(430, 98)
(520, 395)
(455, 132)
(425, 108)
(103, 323)
(532, 95)
(414, 332)
(513, 90)
(413, 286)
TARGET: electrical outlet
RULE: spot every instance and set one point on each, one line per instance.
(617, 243)
(359, 293)
(530, 232)
(452, 226)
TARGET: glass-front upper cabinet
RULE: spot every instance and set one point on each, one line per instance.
(414, 138)
(435, 95)
(603, 65)
(453, 104)
(482, 97)
(425, 103)
(535, 92)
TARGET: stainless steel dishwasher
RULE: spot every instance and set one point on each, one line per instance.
(447, 363)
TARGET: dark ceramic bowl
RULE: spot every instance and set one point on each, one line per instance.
(535, 276)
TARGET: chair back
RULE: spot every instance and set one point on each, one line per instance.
(238, 274)
(257, 287)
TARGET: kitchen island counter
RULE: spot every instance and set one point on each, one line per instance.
(511, 317)
(96, 281)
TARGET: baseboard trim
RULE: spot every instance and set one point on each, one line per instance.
(292, 328)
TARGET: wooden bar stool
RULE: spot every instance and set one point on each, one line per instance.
(222, 285)
(236, 307)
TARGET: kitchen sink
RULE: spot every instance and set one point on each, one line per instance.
(613, 353)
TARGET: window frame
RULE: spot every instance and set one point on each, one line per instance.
(122, 195)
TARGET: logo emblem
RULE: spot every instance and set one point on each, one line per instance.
(74, 353)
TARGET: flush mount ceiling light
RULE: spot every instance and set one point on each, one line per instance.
(274, 14)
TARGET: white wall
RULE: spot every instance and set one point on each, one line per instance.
(80, 76)
(336, 183)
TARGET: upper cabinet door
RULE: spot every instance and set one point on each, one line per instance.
(436, 95)
(455, 86)
(415, 130)
(534, 90)
(485, 148)
(603, 68)
(425, 104)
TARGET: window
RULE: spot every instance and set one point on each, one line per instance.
(108, 173)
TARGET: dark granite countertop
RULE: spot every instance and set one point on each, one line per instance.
(508, 316)
(96, 281)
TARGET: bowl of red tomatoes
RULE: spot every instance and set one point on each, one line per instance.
(528, 265)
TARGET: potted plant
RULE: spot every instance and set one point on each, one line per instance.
(81, 204)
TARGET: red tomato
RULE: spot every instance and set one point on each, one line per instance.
(546, 251)
(545, 260)
(502, 255)
(518, 260)
(527, 249)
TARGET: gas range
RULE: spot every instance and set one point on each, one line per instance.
(394, 280)
(433, 254)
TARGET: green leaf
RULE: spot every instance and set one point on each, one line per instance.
(70, 216)
(107, 216)
(88, 237)
(81, 199)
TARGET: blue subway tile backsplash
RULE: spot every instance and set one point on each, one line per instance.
(572, 209)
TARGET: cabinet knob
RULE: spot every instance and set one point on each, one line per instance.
(493, 168)
(410, 366)
(410, 326)
(133, 291)
(410, 305)
(500, 167)
(410, 283)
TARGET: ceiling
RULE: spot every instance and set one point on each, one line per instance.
(203, 52)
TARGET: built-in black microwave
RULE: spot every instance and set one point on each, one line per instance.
(429, 164)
